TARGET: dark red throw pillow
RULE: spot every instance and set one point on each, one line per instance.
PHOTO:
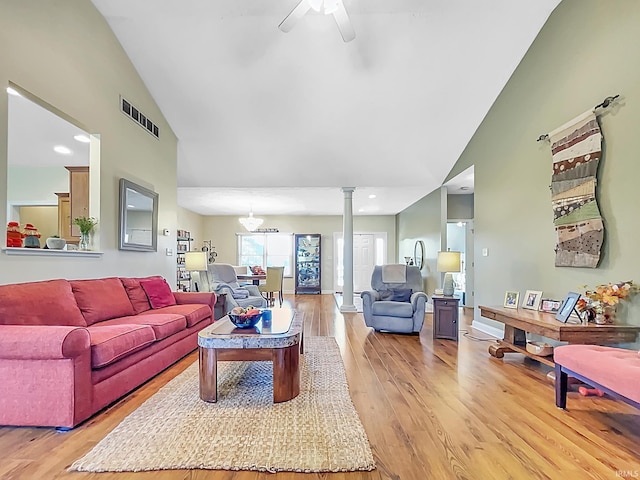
(159, 292)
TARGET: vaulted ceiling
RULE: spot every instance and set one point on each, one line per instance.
(279, 122)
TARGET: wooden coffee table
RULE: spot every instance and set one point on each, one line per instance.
(281, 342)
(517, 322)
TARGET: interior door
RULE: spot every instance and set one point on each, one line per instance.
(363, 261)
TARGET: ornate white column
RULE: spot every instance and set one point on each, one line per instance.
(347, 235)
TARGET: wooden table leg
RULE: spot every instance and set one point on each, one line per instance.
(286, 373)
(498, 349)
(208, 374)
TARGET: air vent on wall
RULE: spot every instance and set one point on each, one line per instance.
(139, 117)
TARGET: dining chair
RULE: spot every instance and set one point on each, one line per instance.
(272, 284)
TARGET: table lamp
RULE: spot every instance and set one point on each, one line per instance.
(195, 262)
(448, 262)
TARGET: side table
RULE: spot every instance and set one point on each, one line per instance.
(445, 317)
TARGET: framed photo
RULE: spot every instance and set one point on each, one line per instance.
(532, 299)
(511, 299)
(548, 305)
(567, 307)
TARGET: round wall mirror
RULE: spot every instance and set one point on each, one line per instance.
(418, 254)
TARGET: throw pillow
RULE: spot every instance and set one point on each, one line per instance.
(396, 295)
(385, 295)
(401, 294)
(159, 293)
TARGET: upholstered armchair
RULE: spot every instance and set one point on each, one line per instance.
(222, 279)
(396, 302)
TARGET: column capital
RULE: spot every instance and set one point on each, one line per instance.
(348, 189)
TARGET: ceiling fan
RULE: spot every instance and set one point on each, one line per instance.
(328, 7)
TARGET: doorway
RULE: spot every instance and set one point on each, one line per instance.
(369, 249)
(460, 239)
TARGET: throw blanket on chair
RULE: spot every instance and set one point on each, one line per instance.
(240, 292)
(394, 273)
(576, 149)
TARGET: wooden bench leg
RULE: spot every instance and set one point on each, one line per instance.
(561, 383)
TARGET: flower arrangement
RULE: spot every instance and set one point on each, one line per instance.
(605, 297)
(86, 224)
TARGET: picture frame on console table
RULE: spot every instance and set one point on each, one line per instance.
(568, 306)
(511, 299)
(549, 305)
(532, 299)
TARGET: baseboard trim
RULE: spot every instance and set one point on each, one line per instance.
(488, 329)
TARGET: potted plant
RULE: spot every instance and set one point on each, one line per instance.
(86, 225)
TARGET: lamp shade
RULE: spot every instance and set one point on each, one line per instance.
(195, 261)
(448, 262)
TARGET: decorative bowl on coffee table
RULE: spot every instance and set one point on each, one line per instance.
(244, 320)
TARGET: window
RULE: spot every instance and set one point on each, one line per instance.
(266, 249)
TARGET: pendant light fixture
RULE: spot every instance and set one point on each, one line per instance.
(250, 222)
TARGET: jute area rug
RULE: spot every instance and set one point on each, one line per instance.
(318, 431)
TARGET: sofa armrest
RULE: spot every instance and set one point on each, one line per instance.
(207, 298)
(417, 297)
(42, 342)
(253, 290)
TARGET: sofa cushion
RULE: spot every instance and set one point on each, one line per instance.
(101, 299)
(163, 324)
(136, 293)
(40, 303)
(110, 343)
(193, 312)
(392, 309)
(158, 292)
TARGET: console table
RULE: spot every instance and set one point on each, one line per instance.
(517, 322)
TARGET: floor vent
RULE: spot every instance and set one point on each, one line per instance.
(139, 117)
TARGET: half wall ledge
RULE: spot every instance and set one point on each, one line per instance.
(50, 252)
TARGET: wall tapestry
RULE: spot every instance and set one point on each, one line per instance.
(576, 148)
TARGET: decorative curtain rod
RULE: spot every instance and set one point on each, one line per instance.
(605, 103)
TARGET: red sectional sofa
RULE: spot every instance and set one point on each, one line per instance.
(613, 370)
(69, 348)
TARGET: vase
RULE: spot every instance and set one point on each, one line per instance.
(84, 241)
(606, 315)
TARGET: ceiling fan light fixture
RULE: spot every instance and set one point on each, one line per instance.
(250, 223)
(330, 6)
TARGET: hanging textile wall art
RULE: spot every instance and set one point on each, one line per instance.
(576, 148)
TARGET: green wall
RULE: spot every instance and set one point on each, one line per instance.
(422, 221)
(65, 54)
(222, 231)
(584, 53)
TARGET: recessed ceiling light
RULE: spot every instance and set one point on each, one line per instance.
(61, 149)
(13, 92)
(361, 210)
(82, 138)
(372, 196)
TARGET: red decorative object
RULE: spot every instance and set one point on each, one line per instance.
(14, 235)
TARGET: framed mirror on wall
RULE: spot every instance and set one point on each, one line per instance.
(418, 254)
(138, 217)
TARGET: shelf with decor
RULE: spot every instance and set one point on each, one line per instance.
(183, 245)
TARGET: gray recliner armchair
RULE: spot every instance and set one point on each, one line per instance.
(222, 279)
(390, 306)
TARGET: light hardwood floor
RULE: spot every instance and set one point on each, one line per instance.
(431, 409)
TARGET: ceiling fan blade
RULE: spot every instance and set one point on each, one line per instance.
(296, 14)
(344, 24)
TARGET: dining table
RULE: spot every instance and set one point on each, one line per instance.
(255, 279)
